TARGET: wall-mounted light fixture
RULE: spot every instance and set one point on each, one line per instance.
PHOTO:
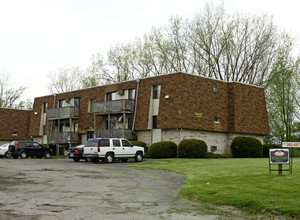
(167, 96)
(35, 113)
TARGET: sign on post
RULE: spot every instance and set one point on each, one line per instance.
(279, 156)
(290, 144)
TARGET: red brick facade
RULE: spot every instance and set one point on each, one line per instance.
(192, 103)
(14, 124)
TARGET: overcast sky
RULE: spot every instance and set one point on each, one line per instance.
(37, 36)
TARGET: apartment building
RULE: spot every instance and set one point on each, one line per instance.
(169, 107)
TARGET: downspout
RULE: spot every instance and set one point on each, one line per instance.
(53, 109)
(136, 102)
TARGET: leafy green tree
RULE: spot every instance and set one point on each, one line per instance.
(282, 93)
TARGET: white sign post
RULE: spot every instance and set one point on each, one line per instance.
(291, 145)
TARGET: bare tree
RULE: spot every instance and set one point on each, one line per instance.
(65, 79)
(213, 44)
(10, 97)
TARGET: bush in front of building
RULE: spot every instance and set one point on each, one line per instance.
(164, 149)
(141, 144)
(266, 148)
(192, 148)
(244, 147)
(214, 155)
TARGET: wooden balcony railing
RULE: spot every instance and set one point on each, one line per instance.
(113, 106)
(62, 137)
(61, 113)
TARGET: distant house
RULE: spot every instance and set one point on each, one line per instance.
(169, 107)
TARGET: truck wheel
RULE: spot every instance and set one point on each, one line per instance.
(138, 157)
(23, 155)
(109, 158)
(7, 155)
(47, 155)
(88, 159)
(76, 159)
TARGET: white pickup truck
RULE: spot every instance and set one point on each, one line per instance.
(109, 149)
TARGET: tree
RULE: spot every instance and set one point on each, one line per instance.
(213, 44)
(282, 93)
(9, 97)
(65, 79)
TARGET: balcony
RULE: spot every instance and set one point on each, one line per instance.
(62, 137)
(115, 133)
(64, 112)
(116, 106)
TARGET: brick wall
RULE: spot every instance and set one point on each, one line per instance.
(240, 108)
(14, 124)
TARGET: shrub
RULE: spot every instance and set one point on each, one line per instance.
(192, 148)
(139, 143)
(164, 149)
(266, 148)
(214, 155)
(243, 147)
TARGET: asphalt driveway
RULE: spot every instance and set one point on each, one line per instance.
(63, 189)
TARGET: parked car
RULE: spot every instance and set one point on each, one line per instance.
(110, 149)
(4, 151)
(26, 149)
(76, 153)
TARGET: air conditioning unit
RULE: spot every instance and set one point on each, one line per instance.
(121, 92)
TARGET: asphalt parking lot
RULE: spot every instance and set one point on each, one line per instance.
(63, 189)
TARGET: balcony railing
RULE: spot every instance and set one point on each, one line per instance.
(113, 106)
(64, 112)
(62, 137)
(115, 133)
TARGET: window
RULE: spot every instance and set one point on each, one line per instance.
(90, 134)
(108, 96)
(91, 105)
(154, 121)
(77, 103)
(45, 107)
(104, 142)
(156, 92)
(213, 148)
(217, 120)
(61, 103)
(130, 122)
(131, 94)
(75, 126)
(125, 143)
(116, 143)
(36, 145)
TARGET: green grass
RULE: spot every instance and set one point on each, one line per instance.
(59, 157)
(243, 183)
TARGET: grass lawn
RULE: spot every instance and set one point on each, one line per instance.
(243, 183)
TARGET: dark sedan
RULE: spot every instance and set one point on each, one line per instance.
(76, 153)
